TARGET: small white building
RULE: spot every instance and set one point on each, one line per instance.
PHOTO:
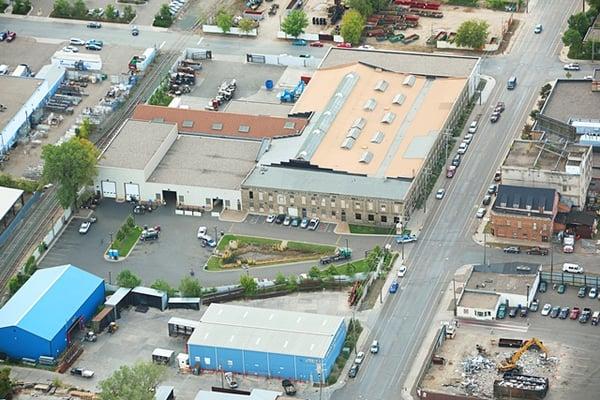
(150, 161)
(71, 60)
(488, 286)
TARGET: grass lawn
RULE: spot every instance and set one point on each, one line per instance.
(126, 244)
(357, 266)
(246, 240)
(311, 247)
(371, 230)
(213, 264)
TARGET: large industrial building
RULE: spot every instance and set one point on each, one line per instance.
(272, 343)
(379, 122)
(21, 101)
(39, 320)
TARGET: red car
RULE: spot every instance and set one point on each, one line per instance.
(316, 44)
(10, 36)
(575, 313)
(450, 171)
(345, 45)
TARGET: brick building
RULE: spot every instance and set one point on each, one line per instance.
(524, 213)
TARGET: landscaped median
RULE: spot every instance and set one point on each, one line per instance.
(371, 230)
(126, 238)
(236, 251)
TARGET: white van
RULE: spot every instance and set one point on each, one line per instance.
(473, 127)
(595, 317)
(462, 148)
(572, 268)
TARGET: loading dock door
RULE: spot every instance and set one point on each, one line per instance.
(132, 190)
(109, 189)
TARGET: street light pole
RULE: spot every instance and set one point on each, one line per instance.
(484, 248)
(454, 293)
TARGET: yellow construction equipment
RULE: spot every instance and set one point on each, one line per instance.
(511, 363)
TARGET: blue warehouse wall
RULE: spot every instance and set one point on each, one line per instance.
(230, 360)
(334, 349)
(87, 310)
(18, 343)
(257, 363)
(282, 365)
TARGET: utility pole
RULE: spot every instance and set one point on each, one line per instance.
(454, 294)
(484, 248)
(551, 261)
(527, 294)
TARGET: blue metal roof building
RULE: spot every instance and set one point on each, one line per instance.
(39, 319)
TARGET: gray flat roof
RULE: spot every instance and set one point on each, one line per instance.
(117, 296)
(266, 330)
(8, 197)
(258, 108)
(321, 181)
(148, 291)
(538, 155)
(135, 144)
(400, 61)
(500, 283)
(486, 301)
(571, 98)
(14, 94)
(206, 161)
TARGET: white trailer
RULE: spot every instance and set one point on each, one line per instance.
(72, 60)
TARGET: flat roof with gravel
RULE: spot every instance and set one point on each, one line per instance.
(435, 64)
(135, 144)
(500, 283)
(571, 98)
(484, 301)
(206, 161)
(14, 93)
(539, 155)
(266, 330)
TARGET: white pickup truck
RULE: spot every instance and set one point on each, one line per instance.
(568, 244)
(86, 373)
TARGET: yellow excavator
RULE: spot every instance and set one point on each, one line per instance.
(510, 364)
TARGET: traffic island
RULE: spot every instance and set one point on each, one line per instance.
(126, 238)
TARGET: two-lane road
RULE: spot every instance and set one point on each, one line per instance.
(446, 241)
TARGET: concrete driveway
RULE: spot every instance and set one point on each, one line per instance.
(178, 250)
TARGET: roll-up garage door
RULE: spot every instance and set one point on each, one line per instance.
(132, 190)
(109, 189)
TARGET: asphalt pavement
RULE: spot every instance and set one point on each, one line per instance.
(446, 239)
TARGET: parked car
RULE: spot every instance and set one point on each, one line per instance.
(360, 357)
(473, 127)
(500, 107)
(585, 315)
(462, 148)
(230, 380)
(135, 31)
(70, 49)
(406, 238)
(501, 311)
(201, 232)
(270, 218)
(487, 200)
(498, 176)
(456, 160)
(149, 234)
(561, 288)
(394, 287)
(85, 373)
(375, 347)
(304, 223)
(316, 44)
(572, 67)
(440, 194)
(401, 271)
(10, 36)
(537, 251)
(84, 227)
(546, 309)
(513, 312)
(593, 293)
(287, 220)
(353, 371)
(77, 42)
(345, 45)
(574, 314)
(299, 42)
(494, 117)
(295, 222)
(492, 189)
(209, 241)
(313, 224)
(523, 312)
(94, 25)
(93, 47)
(543, 286)
(2, 36)
(555, 312)
(581, 292)
(280, 218)
(468, 138)
(572, 268)
(535, 305)
(450, 171)
(564, 313)
(481, 212)
(512, 250)
(538, 28)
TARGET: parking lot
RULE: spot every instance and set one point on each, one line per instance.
(178, 250)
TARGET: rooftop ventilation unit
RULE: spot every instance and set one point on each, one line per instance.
(399, 99)
(409, 80)
(388, 117)
(370, 105)
(359, 123)
(366, 157)
(377, 137)
(381, 85)
(348, 143)
(353, 133)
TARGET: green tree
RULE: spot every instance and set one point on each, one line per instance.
(246, 25)
(472, 33)
(295, 23)
(224, 20)
(249, 284)
(110, 12)
(128, 279)
(379, 5)
(128, 13)
(79, 9)
(15, 283)
(5, 383)
(30, 266)
(163, 18)
(580, 22)
(314, 273)
(62, 8)
(364, 7)
(572, 38)
(85, 129)
(190, 287)
(162, 285)
(21, 7)
(280, 279)
(352, 27)
(70, 166)
(132, 383)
